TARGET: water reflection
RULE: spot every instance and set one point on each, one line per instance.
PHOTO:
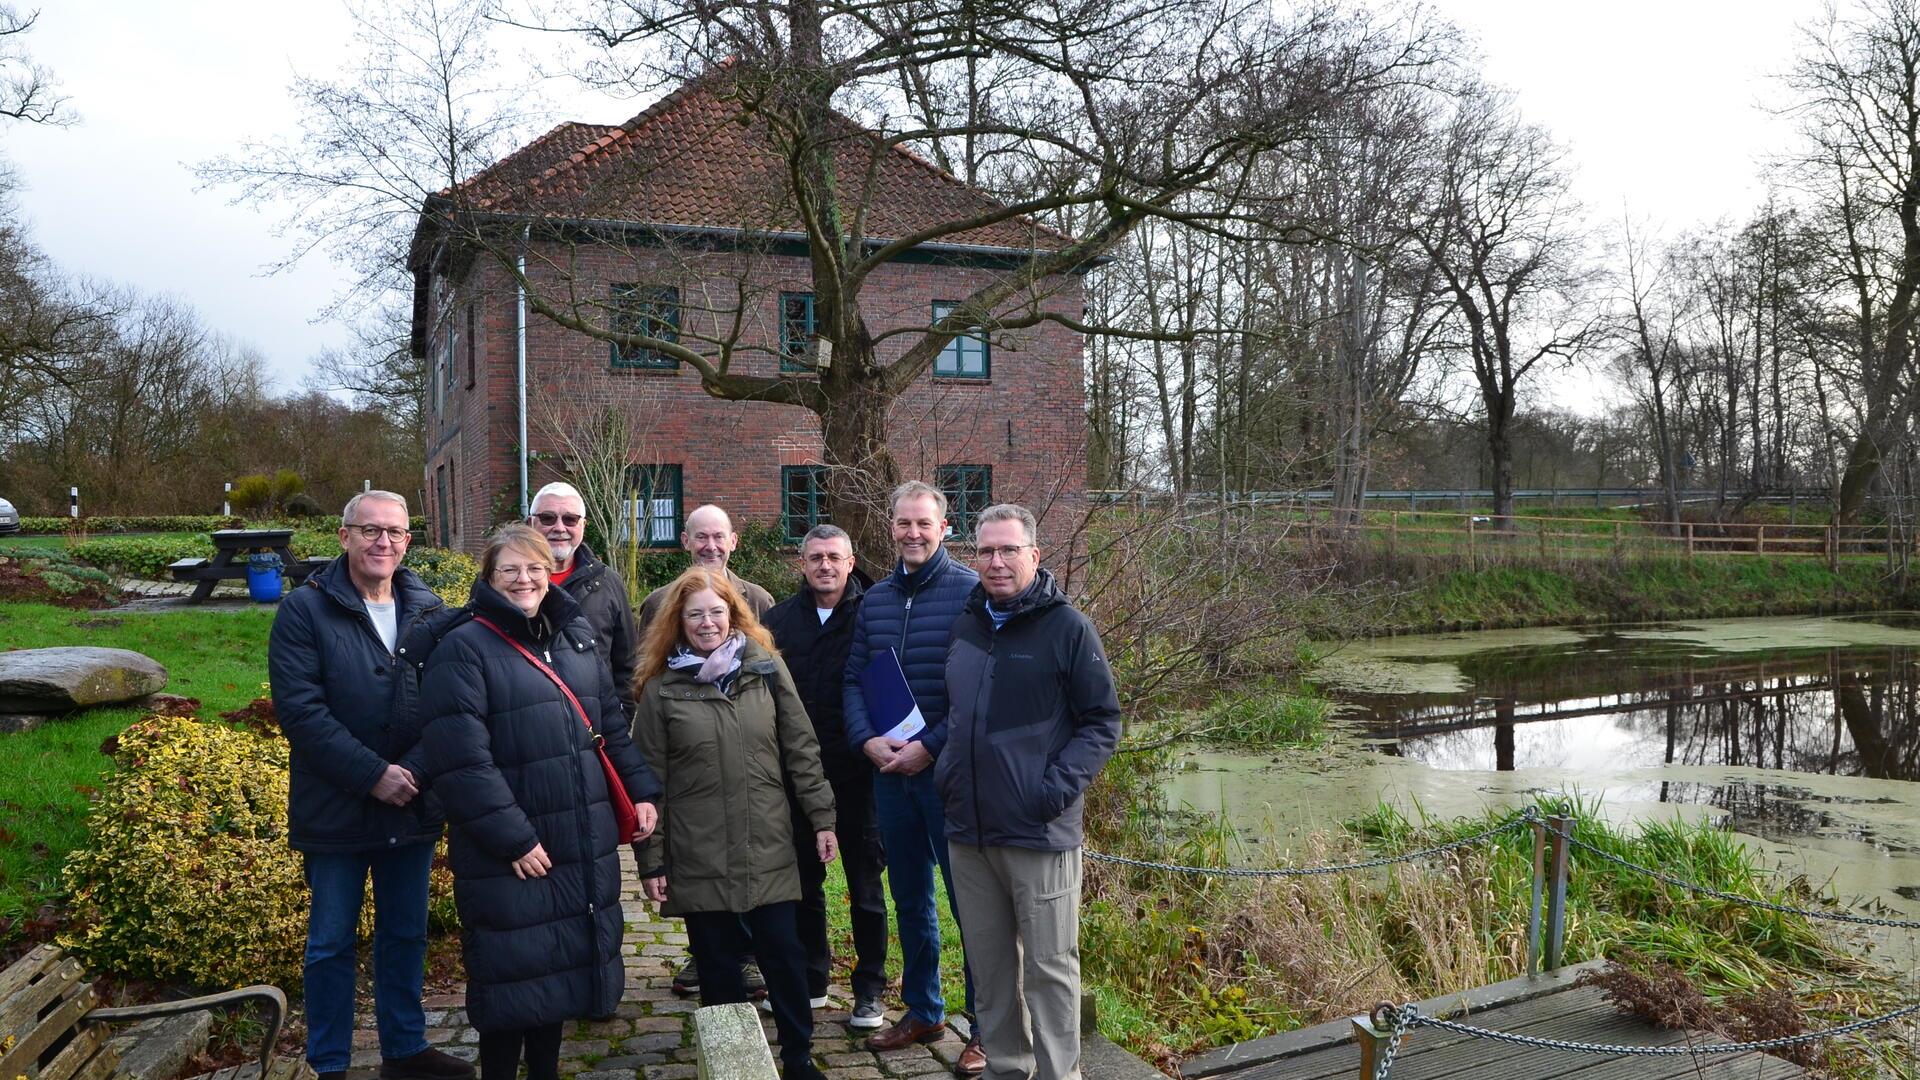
(1841, 712)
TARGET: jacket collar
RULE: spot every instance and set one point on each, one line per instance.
(912, 581)
(586, 566)
(1042, 594)
(336, 581)
(556, 611)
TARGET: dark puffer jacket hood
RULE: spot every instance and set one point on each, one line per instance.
(1033, 718)
(349, 708)
(514, 766)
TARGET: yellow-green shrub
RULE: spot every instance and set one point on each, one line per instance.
(445, 571)
(187, 874)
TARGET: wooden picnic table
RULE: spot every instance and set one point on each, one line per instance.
(234, 544)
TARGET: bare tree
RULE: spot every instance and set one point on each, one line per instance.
(1857, 81)
(1505, 238)
(28, 90)
(424, 106)
(1102, 117)
(1651, 317)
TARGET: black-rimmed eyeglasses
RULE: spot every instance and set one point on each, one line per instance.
(370, 533)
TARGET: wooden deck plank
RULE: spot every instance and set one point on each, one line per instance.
(1581, 1015)
(1533, 1017)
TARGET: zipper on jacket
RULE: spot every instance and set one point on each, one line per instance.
(973, 745)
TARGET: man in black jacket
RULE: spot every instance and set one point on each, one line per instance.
(814, 629)
(345, 697)
(1032, 717)
(560, 514)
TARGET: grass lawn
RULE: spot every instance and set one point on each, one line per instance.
(840, 933)
(46, 775)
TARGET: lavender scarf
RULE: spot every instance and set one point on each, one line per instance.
(716, 667)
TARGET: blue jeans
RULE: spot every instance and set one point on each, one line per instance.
(338, 881)
(913, 829)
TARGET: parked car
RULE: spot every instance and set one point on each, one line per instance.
(9, 518)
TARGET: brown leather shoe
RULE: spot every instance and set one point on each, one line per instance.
(909, 1030)
(972, 1060)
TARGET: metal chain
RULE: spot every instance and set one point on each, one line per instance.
(1735, 898)
(1616, 1049)
(1404, 1019)
(1526, 817)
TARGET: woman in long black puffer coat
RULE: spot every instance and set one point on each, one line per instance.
(533, 842)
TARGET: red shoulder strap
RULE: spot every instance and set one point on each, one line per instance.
(544, 669)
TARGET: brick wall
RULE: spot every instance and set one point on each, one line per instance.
(1026, 421)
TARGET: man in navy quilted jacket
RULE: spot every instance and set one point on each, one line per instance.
(912, 611)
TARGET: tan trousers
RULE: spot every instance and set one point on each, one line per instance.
(1020, 920)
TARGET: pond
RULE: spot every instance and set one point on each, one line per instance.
(1802, 735)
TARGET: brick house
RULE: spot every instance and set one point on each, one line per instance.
(674, 221)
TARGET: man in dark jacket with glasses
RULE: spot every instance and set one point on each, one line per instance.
(560, 514)
(345, 694)
(1032, 717)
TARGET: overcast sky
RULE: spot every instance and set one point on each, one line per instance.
(1656, 99)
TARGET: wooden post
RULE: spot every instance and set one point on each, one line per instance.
(1393, 534)
(1543, 541)
(1616, 540)
(1473, 554)
(1833, 547)
(1539, 894)
(1689, 540)
(1760, 541)
(1557, 890)
(1372, 1042)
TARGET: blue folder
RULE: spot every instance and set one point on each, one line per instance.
(890, 701)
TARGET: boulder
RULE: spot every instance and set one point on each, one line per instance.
(73, 677)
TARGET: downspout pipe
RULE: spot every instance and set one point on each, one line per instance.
(520, 359)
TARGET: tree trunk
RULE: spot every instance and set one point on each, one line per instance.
(862, 472)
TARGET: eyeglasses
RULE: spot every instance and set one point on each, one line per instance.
(532, 572)
(822, 558)
(371, 533)
(548, 518)
(1006, 552)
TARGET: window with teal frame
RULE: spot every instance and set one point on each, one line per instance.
(969, 490)
(803, 500)
(653, 310)
(653, 506)
(797, 331)
(966, 356)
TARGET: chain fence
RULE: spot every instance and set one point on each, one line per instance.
(1401, 1019)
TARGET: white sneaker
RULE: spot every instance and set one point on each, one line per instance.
(818, 1003)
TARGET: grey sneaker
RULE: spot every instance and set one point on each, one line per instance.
(755, 983)
(867, 1014)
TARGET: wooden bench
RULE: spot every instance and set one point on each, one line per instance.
(52, 1028)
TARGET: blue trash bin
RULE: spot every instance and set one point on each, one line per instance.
(264, 582)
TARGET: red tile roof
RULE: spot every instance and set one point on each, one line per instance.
(695, 159)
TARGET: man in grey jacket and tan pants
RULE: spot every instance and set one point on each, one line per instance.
(1032, 718)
